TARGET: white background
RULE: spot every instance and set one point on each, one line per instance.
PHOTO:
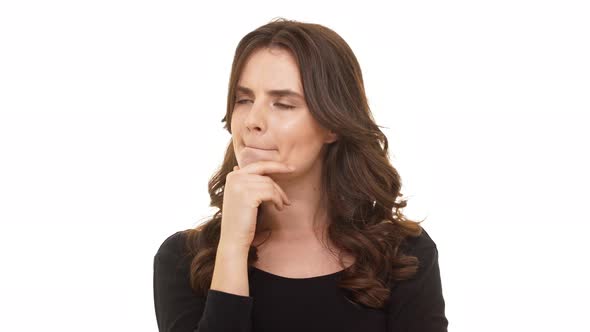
(110, 127)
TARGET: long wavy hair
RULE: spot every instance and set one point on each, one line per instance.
(361, 186)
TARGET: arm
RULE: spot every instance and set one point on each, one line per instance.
(179, 309)
(418, 304)
(230, 273)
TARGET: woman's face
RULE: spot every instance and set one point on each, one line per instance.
(276, 125)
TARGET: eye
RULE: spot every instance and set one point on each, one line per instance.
(285, 106)
(243, 101)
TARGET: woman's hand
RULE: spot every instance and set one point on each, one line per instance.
(245, 190)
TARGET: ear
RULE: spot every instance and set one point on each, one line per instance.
(331, 137)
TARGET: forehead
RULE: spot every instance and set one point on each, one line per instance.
(269, 69)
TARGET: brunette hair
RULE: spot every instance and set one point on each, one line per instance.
(361, 186)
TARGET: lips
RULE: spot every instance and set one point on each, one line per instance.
(254, 147)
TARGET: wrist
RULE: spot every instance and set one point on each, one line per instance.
(233, 249)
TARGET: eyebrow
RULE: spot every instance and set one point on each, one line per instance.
(278, 93)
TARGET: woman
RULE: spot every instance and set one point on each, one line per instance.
(316, 247)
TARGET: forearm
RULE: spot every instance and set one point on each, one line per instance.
(230, 273)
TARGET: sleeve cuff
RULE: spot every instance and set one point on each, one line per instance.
(226, 312)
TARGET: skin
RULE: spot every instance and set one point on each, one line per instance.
(292, 136)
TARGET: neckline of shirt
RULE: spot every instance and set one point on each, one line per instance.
(325, 276)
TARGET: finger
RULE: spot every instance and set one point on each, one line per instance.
(266, 167)
(282, 193)
(278, 198)
(272, 194)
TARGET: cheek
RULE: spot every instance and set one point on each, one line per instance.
(236, 124)
(297, 133)
(302, 146)
(234, 121)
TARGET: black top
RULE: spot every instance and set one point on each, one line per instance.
(281, 304)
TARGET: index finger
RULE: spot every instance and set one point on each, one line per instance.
(267, 166)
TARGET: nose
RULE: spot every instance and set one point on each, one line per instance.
(256, 118)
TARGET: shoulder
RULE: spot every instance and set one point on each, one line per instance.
(420, 244)
(424, 248)
(173, 244)
(417, 303)
(172, 254)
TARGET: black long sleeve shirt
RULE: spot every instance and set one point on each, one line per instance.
(281, 304)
